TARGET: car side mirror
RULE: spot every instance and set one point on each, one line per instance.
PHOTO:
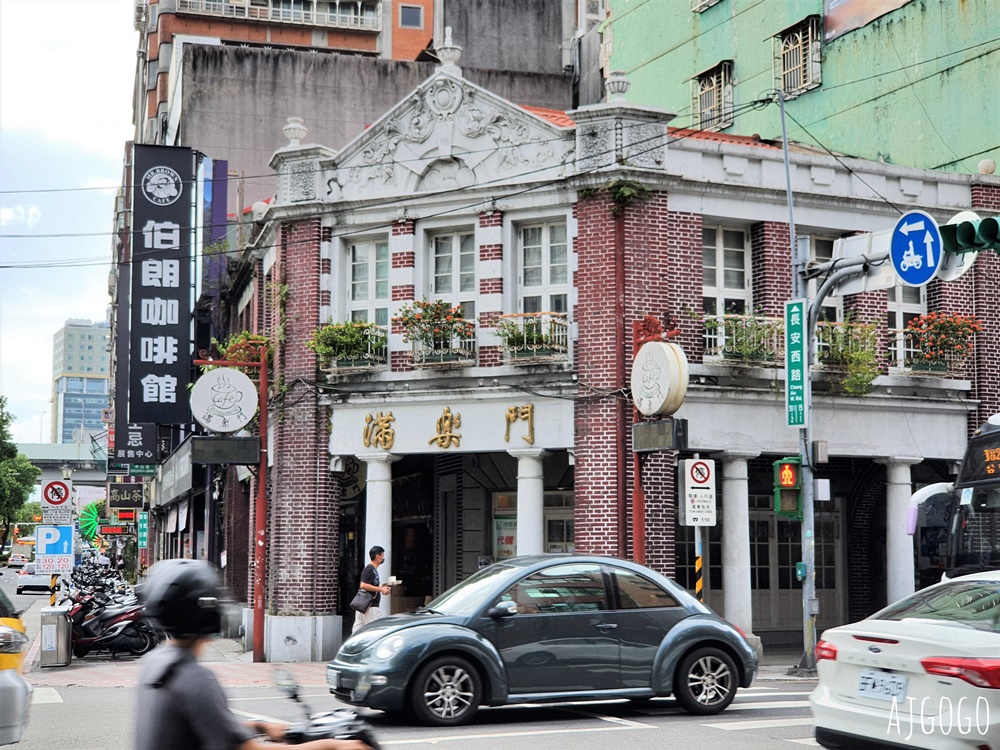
(503, 609)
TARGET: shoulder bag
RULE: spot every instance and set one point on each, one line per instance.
(362, 601)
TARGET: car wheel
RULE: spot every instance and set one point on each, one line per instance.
(706, 681)
(446, 692)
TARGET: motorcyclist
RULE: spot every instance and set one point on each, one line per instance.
(183, 706)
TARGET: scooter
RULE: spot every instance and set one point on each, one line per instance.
(339, 724)
(114, 629)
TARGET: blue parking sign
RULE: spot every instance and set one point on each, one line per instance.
(915, 248)
(54, 540)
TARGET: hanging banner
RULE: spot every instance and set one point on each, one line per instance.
(160, 326)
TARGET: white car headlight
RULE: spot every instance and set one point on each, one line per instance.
(389, 647)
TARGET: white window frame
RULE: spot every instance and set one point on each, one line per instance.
(712, 98)
(899, 312)
(546, 288)
(455, 295)
(836, 304)
(719, 292)
(798, 57)
(697, 6)
(369, 307)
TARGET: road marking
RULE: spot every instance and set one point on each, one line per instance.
(611, 719)
(258, 717)
(503, 735)
(766, 704)
(45, 695)
(762, 724)
(811, 741)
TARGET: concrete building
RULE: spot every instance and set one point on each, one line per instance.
(81, 369)
(554, 233)
(896, 81)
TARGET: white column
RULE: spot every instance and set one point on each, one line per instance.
(898, 544)
(530, 501)
(378, 512)
(736, 599)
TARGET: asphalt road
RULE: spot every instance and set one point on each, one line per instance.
(764, 717)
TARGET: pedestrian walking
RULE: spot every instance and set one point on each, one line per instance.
(370, 583)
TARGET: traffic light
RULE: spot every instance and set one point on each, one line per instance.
(970, 236)
(788, 487)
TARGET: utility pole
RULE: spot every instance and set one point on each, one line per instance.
(800, 257)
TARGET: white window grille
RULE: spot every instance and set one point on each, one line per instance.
(712, 98)
(797, 57)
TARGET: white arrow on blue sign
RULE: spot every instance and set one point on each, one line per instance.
(54, 540)
(915, 248)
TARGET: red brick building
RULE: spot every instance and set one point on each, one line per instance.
(548, 235)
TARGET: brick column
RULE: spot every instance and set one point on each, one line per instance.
(489, 238)
(304, 498)
(986, 281)
(770, 267)
(402, 285)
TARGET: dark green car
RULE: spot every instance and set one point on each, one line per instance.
(543, 629)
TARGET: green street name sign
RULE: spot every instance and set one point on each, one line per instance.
(143, 530)
(796, 367)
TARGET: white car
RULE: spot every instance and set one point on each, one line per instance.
(28, 579)
(921, 673)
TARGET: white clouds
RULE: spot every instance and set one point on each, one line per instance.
(19, 215)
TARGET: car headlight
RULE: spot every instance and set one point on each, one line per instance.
(389, 647)
(11, 641)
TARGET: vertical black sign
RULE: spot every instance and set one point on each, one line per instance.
(160, 352)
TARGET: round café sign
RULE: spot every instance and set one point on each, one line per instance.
(224, 400)
(659, 379)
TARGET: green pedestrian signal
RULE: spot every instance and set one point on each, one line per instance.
(971, 236)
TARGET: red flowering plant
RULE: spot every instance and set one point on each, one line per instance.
(435, 323)
(938, 337)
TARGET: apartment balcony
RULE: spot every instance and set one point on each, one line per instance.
(906, 354)
(351, 15)
(528, 338)
(351, 348)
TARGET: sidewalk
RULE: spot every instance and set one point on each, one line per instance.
(236, 668)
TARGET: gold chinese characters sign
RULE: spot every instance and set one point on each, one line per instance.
(378, 431)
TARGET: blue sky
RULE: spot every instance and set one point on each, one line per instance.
(66, 74)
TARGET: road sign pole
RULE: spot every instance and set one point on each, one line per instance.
(800, 257)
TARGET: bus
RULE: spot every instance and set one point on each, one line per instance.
(957, 524)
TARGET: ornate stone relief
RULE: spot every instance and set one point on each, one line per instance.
(302, 181)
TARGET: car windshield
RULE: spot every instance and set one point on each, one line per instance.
(968, 603)
(466, 597)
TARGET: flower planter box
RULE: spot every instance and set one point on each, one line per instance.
(934, 367)
(543, 351)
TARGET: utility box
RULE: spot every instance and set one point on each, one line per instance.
(57, 637)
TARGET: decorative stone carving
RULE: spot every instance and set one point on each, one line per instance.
(645, 145)
(302, 181)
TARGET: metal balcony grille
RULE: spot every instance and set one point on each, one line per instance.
(797, 58)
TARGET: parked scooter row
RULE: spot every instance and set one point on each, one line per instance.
(107, 615)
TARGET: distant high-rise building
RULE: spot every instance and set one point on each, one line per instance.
(81, 369)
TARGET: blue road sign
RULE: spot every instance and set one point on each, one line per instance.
(915, 248)
(54, 540)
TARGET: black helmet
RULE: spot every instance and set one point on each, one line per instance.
(183, 597)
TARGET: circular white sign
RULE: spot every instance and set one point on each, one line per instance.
(659, 378)
(224, 400)
(55, 493)
(162, 186)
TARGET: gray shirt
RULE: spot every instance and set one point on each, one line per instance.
(182, 706)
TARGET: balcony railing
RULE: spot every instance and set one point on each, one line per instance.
(454, 352)
(836, 342)
(352, 359)
(529, 337)
(905, 353)
(340, 15)
(751, 338)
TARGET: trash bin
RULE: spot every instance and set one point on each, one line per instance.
(57, 637)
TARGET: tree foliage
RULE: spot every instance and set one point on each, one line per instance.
(17, 476)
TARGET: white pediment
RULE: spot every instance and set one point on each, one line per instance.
(448, 134)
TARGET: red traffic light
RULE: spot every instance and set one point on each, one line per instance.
(788, 475)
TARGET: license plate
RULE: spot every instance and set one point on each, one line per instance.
(882, 685)
(332, 678)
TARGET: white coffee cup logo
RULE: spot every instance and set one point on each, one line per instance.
(162, 186)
